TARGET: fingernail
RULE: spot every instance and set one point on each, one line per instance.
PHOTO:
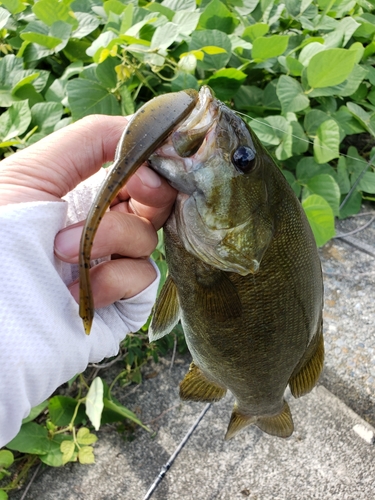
(67, 242)
(148, 177)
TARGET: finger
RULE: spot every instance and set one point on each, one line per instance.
(57, 163)
(118, 233)
(117, 279)
(150, 196)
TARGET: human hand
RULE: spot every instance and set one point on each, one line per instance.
(51, 168)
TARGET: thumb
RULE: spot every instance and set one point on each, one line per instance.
(54, 165)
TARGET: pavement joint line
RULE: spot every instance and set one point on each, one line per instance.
(360, 245)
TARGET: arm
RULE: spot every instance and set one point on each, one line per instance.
(42, 339)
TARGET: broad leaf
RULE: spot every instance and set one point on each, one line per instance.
(32, 438)
(62, 409)
(226, 82)
(15, 121)
(330, 67)
(94, 402)
(290, 94)
(6, 459)
(88, 97)
(267, 47)
(217, 16)
(321, 218)
(325, 186)
(327, 141)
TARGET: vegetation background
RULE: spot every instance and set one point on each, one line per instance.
(301, 72)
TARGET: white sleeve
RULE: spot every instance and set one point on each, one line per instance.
(42, 341)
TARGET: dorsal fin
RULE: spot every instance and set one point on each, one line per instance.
(307, 376)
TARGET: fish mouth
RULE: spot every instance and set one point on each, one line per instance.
(189, 145)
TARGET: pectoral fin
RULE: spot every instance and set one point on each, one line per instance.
(217, 296)
(280, 425)
(305, 377)
(165, 314)
(195, 387)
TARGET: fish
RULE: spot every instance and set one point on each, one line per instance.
(244, 275)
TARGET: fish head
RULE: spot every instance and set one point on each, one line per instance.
(222, 212)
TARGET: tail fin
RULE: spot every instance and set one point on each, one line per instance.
(280, 425)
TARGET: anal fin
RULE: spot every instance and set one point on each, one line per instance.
(195, 387)
(280, 425)
(306, 377)
(165, 313)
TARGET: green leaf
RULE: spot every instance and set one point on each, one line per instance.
(4, 16)
(294, 66)
(367, 183)
(308, 168)
(67, 449)
(164, 36)
(123, 412)
(34, 412)
(177, 5)
(300, 141)
(327, 141)
(54, 457)
(313, 119)
(217, 16)
(343, 176)
(321, 218)
(14, 6)
(6, 459)
(127, 103)
(346, 88)
(184, 81)
(309, 51)
(61, 411)
(290, 94)
(330, 67)
(50, 11)
(3, 495)
(362, 116)
(226, 82)
(15, 121)
(32, 438)
(267, 47)
(87, 97)
(209, 38)
(266, 129)
(186, 21)
(86, 24)
(94, 402)
(9, 66)
(86, 455)
(114, 6)
(324, 185)
(292, 182)
(254, 31)
(285, 149)
(45, 115)
(84, 436)
(106, 72)
(352, 206)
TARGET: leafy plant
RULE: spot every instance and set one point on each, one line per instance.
(300, 72)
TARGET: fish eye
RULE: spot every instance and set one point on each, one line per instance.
(243, 159)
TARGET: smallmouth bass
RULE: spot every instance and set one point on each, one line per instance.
(244, 273)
